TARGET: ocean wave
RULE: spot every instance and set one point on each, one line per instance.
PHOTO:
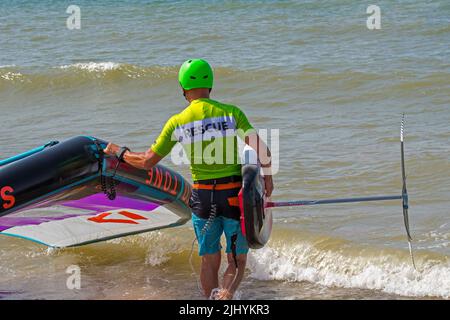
(302, 78)
(156, 254)
(290, 256)
(108, 74)
(81, 75)
(295, 256)
(325, 263)
(268, 73)
(435, 239)
(335, 87)
(115, 68)
(12, 76)
(93, 66)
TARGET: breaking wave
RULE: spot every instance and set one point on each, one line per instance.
(333, 263)
(295, 256)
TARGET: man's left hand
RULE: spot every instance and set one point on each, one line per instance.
(268, 185)
(112, 149)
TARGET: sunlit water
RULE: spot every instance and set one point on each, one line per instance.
(334, 89)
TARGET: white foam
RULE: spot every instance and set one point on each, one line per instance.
(435, 239)
(304, 262)
(11, 76)
(93, 66)
(158, 254)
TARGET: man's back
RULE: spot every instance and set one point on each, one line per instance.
(207, 130)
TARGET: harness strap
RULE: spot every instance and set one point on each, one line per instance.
(233, 248)
(233, 201)
(223, 186)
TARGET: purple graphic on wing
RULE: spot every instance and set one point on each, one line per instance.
(10, 222)
(96, 203)
(99, 202)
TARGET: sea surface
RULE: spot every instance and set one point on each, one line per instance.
(334, 89)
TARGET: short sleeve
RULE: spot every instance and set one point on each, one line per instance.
(165, 141)
(242, 124)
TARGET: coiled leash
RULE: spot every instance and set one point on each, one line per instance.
(213, 211)
(108, 183)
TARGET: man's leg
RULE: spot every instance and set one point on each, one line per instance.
(233, 276)
(209, 274)
(208, 238)
(237, 247)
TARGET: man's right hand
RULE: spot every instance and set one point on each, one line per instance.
(268, 185)
(111, 149)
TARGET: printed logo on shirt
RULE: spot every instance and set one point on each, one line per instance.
(206, 129)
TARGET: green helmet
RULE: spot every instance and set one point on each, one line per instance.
(196, 73)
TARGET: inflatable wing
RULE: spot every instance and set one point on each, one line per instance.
(69, 194)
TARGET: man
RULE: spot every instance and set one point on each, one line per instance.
(207, 130)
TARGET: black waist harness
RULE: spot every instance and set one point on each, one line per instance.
(219, 180)
(220, 194)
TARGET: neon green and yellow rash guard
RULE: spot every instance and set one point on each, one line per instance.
(208, 132)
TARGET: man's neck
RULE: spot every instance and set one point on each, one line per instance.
(195, 94)
(192, 99)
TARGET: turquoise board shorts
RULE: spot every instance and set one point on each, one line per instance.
(209, 241)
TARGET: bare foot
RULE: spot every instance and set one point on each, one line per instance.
(224, 294)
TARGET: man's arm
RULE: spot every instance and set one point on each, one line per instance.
(141, 160)
(264, 157)
(146, 160)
